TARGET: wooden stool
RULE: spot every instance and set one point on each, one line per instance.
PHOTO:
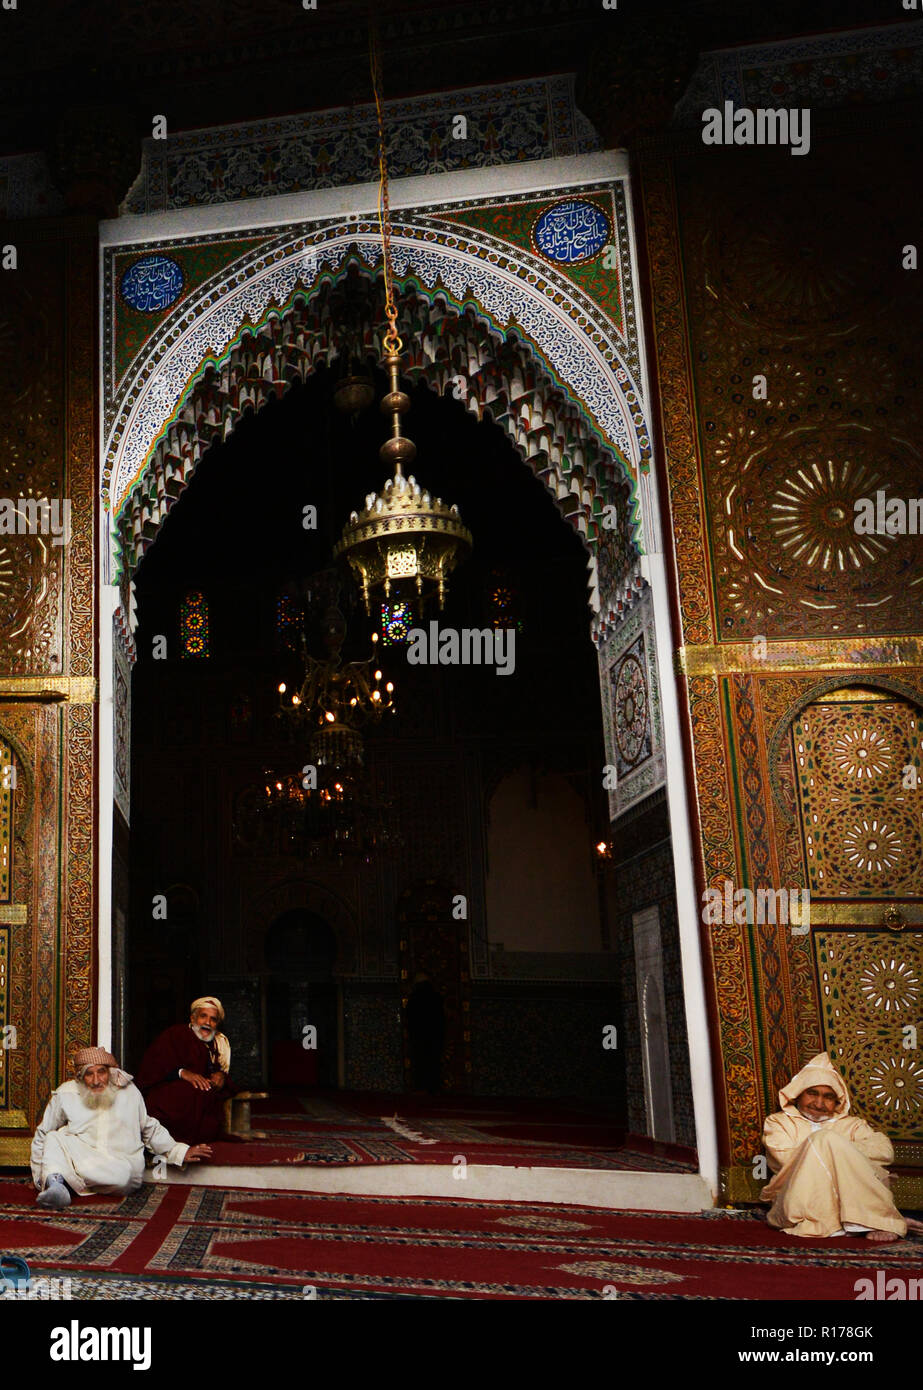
(237, 1114)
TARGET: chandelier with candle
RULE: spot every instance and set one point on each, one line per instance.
(401, 547)
(335, 698)
(338, 818)
(326, 807)
(404, 543)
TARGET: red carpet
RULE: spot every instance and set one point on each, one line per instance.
(258, 1152)
(359, 1247)
(340, 1128)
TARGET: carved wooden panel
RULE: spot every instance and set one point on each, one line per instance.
(786, 365)
(47, 635)
(778, 299)
(871, 991)
(861, 825)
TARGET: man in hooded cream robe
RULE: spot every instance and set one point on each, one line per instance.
(829, 1168)
(94, 1132)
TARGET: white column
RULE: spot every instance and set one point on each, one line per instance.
(108, 603)
(654, 569)
(687, 898)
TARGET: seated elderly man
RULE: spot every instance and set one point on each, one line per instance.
(94, 1132)
(184, 1074)
(830, 1178)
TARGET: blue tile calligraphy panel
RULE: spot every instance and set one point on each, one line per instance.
(571, 233)
(152, 284)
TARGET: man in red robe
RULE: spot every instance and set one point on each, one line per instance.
(184, 1075)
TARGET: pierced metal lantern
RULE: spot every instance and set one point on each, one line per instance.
(404, 543)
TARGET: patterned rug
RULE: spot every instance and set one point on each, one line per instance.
(341, 1128)
(258, 1153)
(174, 1241)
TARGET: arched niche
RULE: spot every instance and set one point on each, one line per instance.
(302, 943)
(24, 790)
(847, 762)
(840, 685)
(299, 895)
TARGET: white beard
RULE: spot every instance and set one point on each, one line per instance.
(98, 1100)
(206, 1034)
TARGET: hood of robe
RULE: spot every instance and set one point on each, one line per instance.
(820, 1071)
(224, 1052)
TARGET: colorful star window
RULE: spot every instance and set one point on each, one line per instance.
(194, 638)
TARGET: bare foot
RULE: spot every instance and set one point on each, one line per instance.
(881, 1237)
(914, 1225)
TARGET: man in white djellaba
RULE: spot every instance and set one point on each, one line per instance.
(94, 1132)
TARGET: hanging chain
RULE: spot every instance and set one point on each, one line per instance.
(392, 341)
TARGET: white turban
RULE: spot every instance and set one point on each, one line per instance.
(204, 1002)
(221, 1042)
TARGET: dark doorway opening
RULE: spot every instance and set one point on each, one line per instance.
(302, 1024)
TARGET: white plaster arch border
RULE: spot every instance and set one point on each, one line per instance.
(206, 325)
(575, 360)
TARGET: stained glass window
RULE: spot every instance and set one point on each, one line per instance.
(504, 604)
(288, 623)
(193, 626)
(396, 622)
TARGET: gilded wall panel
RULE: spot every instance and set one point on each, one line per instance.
(783, 463)
(728, 942)
(80, 455)
(677, 407)
(48, 641)
(777, 697)
(784, 361)
(32, 905)
(32, 429)
(761, 863)
(77, 872)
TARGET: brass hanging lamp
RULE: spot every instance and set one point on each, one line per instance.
(404, 543)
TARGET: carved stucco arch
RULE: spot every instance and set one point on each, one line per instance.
(557, 376)
(309, 896)
(877, 680)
